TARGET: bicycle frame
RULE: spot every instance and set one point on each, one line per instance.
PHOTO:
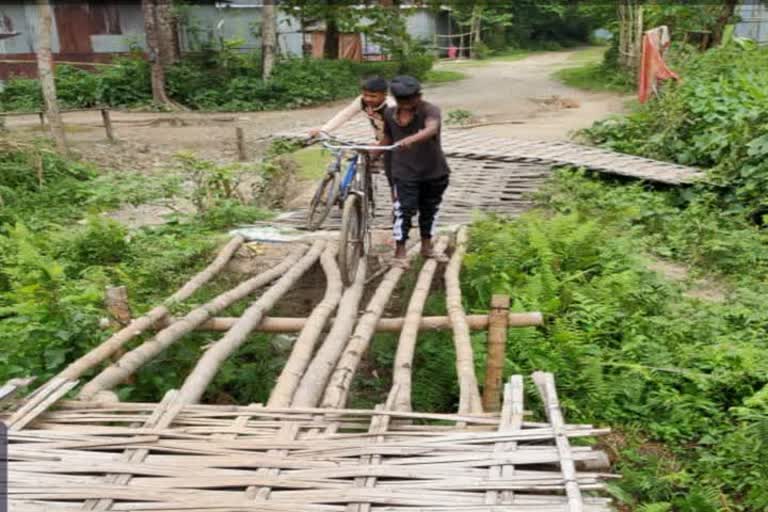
(349, 177)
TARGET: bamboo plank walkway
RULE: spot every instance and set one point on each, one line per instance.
(303, 450)
(476, 185)
(464, 144)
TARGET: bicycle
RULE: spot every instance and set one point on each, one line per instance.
(355, 195)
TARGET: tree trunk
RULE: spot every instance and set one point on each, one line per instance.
(475, 30)
(47, 81)
(268, 38)
(152, 30)
(167, 33)
(331, 47)
(630, 33)
(729, 8)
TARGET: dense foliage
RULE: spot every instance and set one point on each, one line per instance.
(716, 117)
(683, 379)
(528, 24)
(221, 79)
(57, 253)
(682, 372)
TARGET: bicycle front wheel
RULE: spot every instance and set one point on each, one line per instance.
(351, 238)
(322, 201)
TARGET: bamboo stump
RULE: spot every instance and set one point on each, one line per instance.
(497, 339)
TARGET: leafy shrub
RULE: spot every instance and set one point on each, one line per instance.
(128, 84)
(101, 242)
(458, 116)
(481, 50)
(682, 380)
(223, 79)
(21, 94)
(714, 118)
(76, 88)
(629, 350)
(416, 65)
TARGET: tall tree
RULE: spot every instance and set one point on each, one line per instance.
(47, 80)
(726, 15)
(268, 38)
(158, 54)
(168, 32)
(630, 33)
(331, 45)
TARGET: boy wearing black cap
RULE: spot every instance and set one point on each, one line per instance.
(418, 167)
(371, 103)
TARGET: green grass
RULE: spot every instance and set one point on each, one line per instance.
(589, 55)
(589, 74)
(592, 77)
(312, 162)
(439, 76)
(510, 55)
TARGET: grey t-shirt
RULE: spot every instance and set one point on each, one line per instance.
(423, 161)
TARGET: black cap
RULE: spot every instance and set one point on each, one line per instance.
(375, 84)
(404, 86)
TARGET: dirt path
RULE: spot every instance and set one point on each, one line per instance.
(494, 91)
(520, 91)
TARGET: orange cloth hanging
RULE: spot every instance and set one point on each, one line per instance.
(652, 65)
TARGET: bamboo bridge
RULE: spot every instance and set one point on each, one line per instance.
(74, 446)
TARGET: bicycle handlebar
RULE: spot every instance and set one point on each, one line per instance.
(344, 144)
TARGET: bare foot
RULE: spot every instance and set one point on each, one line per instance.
(401, 263)
(400, 252)
(438, 256)
(426, 247)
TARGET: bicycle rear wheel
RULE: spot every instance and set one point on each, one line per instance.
(351, 238)
(322, 201)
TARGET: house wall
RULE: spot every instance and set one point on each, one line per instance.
(82, 32)
(754, 21)
(421, 24)
(209, 23)
(96, 30)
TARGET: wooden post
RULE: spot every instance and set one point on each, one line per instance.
(107, 124)
(116, 302)
(240, 144)
(497, 339)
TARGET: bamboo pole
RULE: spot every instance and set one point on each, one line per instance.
(406, 344)
(141, 324)
(294, 368)
(141, 355)
(338, 387)
(313, 382)
(511, 421)
(207, 366)
(465, 361)
(545, 382)
(497, 339)
(428, 323)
